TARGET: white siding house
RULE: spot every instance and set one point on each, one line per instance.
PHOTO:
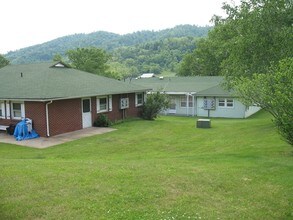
(201, 96)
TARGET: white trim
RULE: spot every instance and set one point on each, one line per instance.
(187, 100)
(98, 104)
(47, 118)
(82, 104)
(225, 102)
(110, 103)
(86, 116)
(2, 107)
(8, 110)
(136, 99)
(22, 110)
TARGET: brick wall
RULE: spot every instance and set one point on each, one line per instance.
(117, 113)
(7, 122)
(65, 116)
(37, 112)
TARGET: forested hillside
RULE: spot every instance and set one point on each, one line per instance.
(156, 56)
(143, 51)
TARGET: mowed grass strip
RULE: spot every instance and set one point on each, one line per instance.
(163, 169)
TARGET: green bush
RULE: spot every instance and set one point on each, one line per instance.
(155, 103)
(102, 121)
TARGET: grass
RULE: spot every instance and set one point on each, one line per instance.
(163, 169)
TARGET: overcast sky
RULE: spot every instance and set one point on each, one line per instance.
(29, 22)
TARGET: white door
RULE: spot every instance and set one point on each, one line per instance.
(172, 108)
(86, 113)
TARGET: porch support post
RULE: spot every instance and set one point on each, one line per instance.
(187, 104)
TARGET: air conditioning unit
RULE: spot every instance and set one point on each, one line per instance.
(124, 103)
(203, 123)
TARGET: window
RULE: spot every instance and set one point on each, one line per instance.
(17, 110)
(183, 101)
(222, 102)
(86, 105)
(102, 104)
(138, 99)
(172, 103)
(226, 103)
(229, 103)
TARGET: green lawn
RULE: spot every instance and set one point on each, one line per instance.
(163, 169)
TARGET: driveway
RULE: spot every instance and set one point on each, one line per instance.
(44, 142)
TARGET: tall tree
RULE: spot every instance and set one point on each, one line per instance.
(92, 60)
(251, 37)
(259, 65)
(273, 92)
(253, 48)
(261, 33)
(3, 61)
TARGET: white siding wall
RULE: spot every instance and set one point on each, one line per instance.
(238, 110)
(179, 110)
(251, 110)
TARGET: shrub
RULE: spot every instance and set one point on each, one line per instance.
(102, 121)
(155, 103)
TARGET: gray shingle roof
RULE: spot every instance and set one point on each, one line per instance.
(201, 85)
(45, 81)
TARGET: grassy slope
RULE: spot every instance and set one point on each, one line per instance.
(163, 169)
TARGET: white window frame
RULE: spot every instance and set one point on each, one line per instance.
(172, 105)
(22, 111)
(99, 110)
(183, 99)
(226, 102)
(2, 108)
(139, 102)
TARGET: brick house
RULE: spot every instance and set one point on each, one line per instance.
(60, 99)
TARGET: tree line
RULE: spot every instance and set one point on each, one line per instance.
(100, 39)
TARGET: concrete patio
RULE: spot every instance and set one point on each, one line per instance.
(44, 142)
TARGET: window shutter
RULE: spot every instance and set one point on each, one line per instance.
(22, 110)
(98, 104)
(110, 103)
(7, 110)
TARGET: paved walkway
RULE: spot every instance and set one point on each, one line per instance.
(44, 142)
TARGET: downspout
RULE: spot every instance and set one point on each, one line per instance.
(193, 105)
(47, 117)
(187, 104)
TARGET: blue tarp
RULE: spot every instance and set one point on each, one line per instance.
(22, 132)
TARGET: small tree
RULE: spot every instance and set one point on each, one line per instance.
(155, 103)
(3, 61)
(57, 57)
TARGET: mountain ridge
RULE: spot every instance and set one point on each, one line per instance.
(106, 40)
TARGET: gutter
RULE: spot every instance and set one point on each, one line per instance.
(47, 117)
